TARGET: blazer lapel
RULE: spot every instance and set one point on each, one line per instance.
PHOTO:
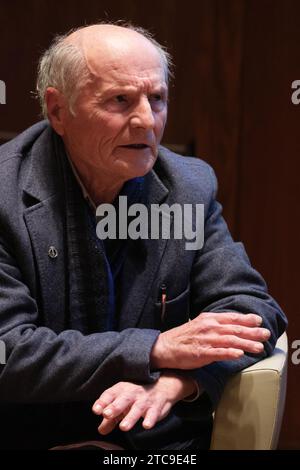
(44, 221)
(142, 261)
(46, 231)
(63, 242)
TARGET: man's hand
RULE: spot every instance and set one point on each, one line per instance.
(126, 402)
(209, 337)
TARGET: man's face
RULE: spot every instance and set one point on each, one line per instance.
(120, 114)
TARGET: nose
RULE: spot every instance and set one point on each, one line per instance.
(142, 115)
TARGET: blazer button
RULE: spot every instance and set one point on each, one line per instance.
(52, 252)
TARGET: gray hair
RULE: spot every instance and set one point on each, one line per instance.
(63, 66)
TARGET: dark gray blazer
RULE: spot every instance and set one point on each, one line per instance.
(49, 363)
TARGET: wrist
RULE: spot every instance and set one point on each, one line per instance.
(196, 394)
(181, 386)
(158, 354)
(190, 390)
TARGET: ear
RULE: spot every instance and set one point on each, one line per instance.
(57, 109)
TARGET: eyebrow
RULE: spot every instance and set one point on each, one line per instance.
(119, 90)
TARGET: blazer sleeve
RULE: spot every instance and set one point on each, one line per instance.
(42, 366)
(223, 280)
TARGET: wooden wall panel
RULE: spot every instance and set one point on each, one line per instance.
(268, 214)
(217, 109)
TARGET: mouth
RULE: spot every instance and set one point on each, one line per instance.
(135, 146)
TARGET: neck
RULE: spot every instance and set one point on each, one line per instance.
(101, 194)
(100, 187)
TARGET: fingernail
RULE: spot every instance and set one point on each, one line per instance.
(124, 424)
(238, 353)
(108, 412)
(259, 321)
(97, 408)
(267, 334)
(258, 347)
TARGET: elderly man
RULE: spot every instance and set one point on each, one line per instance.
(135, 337)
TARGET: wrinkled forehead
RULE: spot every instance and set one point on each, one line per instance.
(120, 51)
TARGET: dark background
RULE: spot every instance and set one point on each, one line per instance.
(230, 102)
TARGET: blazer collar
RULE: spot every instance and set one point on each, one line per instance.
(44, 172)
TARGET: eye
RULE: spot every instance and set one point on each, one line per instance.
(157, 97)
(121, 98)
(158, 101)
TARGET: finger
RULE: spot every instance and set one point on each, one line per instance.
(253, 333)
(223, 354)
(234, 318)
(151, 418)
(103, 401)
(231, 341)
(165, 410)
(135, 413)
(118, 406)
(153, 415)
(108, 425)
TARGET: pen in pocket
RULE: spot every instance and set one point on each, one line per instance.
(163, 292)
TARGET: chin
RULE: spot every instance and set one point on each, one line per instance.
(141, 168)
